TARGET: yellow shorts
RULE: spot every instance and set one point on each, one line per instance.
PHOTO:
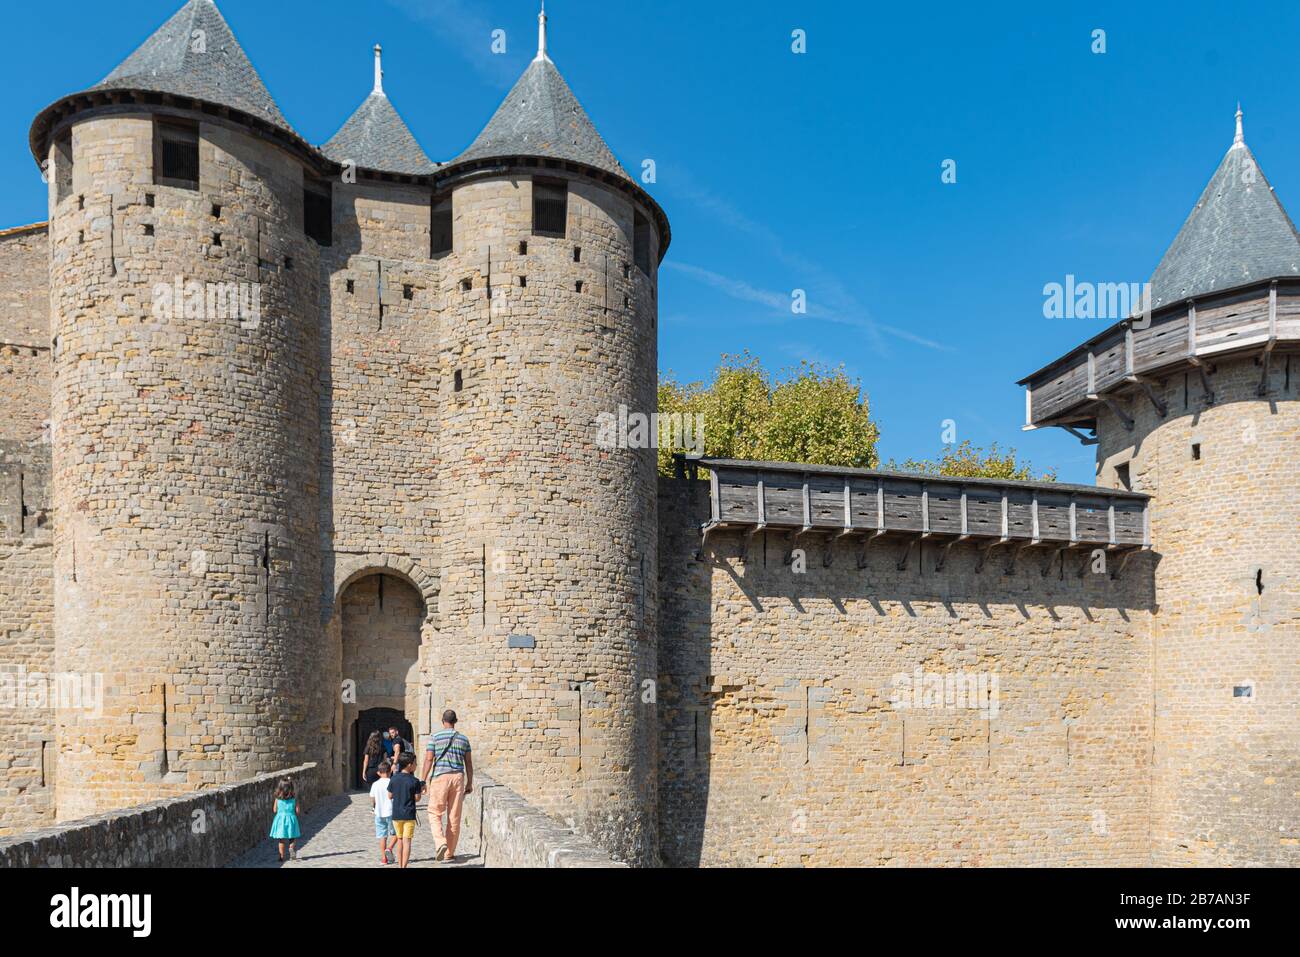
(405, 829)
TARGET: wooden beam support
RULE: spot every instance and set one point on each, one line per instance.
(907, 553)
(1118, 412)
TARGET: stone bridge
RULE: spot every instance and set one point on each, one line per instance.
(227, 827)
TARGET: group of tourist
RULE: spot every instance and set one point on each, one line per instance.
(387, 768)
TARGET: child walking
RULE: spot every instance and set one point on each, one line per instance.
(285, 826)
(382, 802)
(405, 789)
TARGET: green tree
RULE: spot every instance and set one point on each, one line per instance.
(809, 414)
(967, 461)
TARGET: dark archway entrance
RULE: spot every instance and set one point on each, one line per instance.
(374, 719)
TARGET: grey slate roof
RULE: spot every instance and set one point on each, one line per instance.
(195, 54)
(376, 138)
(1237, 234)
(540, 116)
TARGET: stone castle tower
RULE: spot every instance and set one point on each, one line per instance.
(1196, 404)
(300, 442)
(409, 404)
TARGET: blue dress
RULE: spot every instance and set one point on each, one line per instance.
(285, 825)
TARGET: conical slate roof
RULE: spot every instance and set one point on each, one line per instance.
(1238, 234)
(195, 54)
(540, 116)
(375, 138)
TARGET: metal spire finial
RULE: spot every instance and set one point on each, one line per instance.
(379, 71)
(1240, 138)
(541, 34)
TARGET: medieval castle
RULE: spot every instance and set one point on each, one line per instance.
(297, 441)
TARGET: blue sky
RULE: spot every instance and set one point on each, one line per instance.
(818, 171)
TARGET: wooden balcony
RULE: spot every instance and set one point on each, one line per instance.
(845, 502)
(1126, 362)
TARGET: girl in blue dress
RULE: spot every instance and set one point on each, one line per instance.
(285, 826)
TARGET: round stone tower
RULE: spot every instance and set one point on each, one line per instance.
(1198, 404)
(546, 617)
(184, 423)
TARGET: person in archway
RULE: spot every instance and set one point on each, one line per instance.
(395, 745)
(448, 759)
(371, 756)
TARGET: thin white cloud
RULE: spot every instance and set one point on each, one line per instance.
(779, 303)
(463, 28)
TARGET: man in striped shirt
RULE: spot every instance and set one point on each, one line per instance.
(447, 757)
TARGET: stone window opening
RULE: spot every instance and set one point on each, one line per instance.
(148, 199)
(441, 239)
(523, 282)
(216, 239)
(1123, 478)
(577, 254)
(577, 286)
(216, 211)
(176, 154)
(81, 201)
(1196, 451)
(352, 287)
(408, 292)
(550, 208)
(318, 211)
(1259, 581)
(288, 264)
(148, 229)
(641, 242)
(63, 168)
(457, 381)
(466, 285)
(523, 248)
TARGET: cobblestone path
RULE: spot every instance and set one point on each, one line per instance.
(341, 833)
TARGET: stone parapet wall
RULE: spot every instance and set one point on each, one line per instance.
(203, 829)
(507, 831)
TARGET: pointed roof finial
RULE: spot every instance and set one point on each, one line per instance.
(1240, 138)
(379, 70)
(541, 34)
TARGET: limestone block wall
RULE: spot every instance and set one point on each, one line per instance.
(27, 753)
(24, 333)
(186, 467)
(1226, 667)
(786, 740)
(27, 765)
(547, 607)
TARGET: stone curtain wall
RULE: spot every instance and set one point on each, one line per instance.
(26, 524)
(546, 619)
(380, 301)
(24, 333)
(204, 829)
(1226, 788)
(186, 474)
(27, 752)
(780, 745)
(509, 832)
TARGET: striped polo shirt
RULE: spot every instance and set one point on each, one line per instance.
(453, 761)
